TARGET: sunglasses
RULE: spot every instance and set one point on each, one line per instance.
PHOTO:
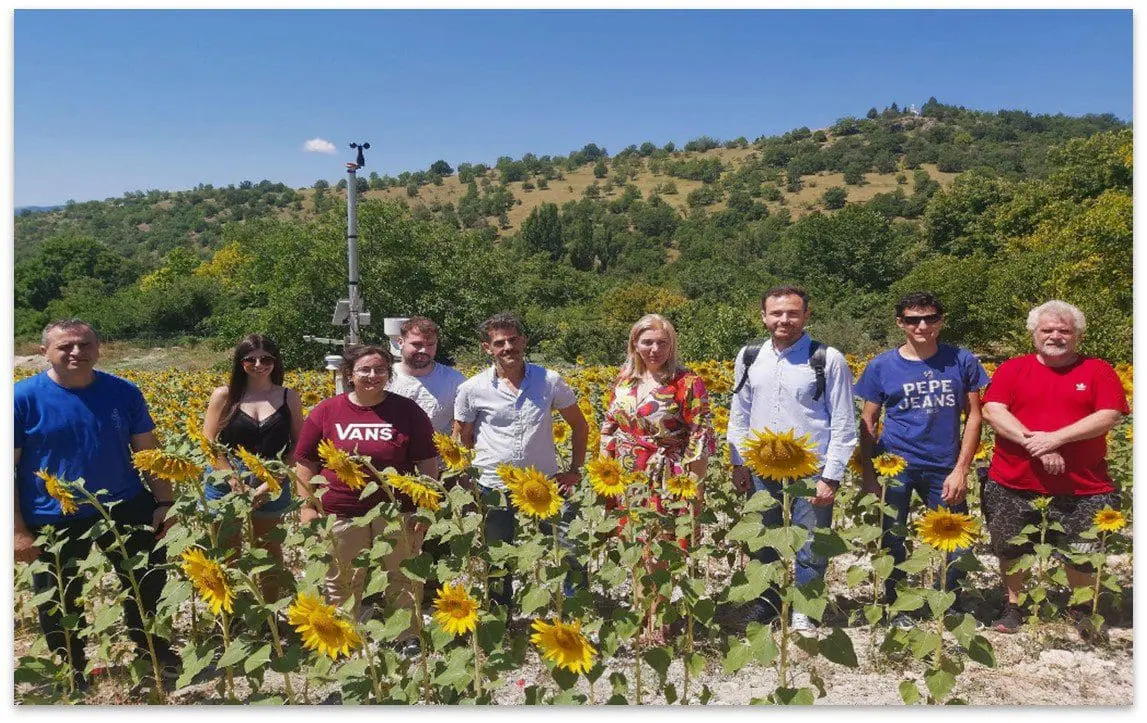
(915, 320)
(254, 360)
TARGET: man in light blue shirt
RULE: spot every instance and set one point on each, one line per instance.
(505, 414)
(781, 393)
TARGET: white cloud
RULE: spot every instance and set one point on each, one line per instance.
(318, 145)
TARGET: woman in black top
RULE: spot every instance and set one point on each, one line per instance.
(256, 412)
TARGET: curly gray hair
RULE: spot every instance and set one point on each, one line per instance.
(1058, 308)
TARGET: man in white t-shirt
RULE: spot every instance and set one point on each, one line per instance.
(431, 385)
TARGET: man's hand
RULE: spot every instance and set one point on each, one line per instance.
(1040, 443)
(1053, 463)
(955, 487)
(25, 546)
(160, 521)
(825, 493)
(307, 515)
(567, 480)
(742, 479)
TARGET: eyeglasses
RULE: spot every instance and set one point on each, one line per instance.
(255, 360)
(367, 371)
(915, 320)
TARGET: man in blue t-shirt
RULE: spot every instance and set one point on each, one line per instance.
(75, 422)
(923, 387)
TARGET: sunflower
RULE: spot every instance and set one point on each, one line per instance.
(854, 463)
(682, 486)
(562, 432)
(984, 450)
(721, 420)
(564, 644)
(509, 474)
(321, 626)
(209, 449)
(256, 466)
(535, 494)
(946, 530)
(209, 579)
(456, 457)
(1109, 520)
(166, 466)
(605, 476)
(455, 611)
(310, 399)
(781, 456)
(342, 464)
(888, 465)
(59, 490)
(421, 494)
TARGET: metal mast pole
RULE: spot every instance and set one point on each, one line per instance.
(352, 251)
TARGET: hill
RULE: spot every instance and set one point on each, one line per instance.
(853, 211)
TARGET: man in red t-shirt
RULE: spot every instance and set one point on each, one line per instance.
(1051, 412)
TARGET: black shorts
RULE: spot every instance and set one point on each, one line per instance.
(1008, 511)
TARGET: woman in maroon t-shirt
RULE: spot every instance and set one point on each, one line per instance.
(393, 432)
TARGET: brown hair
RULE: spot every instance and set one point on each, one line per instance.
(419, 323)
(354, 353)
(786, 290)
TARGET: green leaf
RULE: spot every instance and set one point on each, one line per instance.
(658, 658)
(748, 528)
(491, 631)
(235, 652)
(759, 502)
(695, 663)
(257, 659)
(1081, 595)
(739, 654)
(981, 650)
(670, 691)
(837, 647)
(396, 624)
(564, 678)
(418, 568)
(828, 543)
(940, 683)
(536, 597)
(939, 602)
(794, 696)
(855, 576)
(909, 693)
(882, 566)
(918, 561)
(105, 618)
(907, 600)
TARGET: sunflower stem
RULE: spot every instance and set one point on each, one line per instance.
(276, 642)
(477, 665)
(225, 622)
(1099, 573)
(67, 634)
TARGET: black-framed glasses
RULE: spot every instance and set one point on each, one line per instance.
(255, 360)
(915, 320)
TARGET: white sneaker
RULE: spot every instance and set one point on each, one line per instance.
(802, 622)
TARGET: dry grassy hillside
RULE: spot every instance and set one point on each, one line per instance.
(573, 185)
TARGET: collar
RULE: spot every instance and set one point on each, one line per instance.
(493, 371)
(802, 343)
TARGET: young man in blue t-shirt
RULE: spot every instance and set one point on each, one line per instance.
(75, 422)
(923, 387)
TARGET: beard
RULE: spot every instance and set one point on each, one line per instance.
(419, 361)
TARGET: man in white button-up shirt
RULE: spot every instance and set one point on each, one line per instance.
(778, 394)
(505, 414)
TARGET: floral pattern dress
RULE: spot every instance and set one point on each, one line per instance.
(662, 432)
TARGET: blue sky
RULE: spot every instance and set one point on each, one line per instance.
(113, 101)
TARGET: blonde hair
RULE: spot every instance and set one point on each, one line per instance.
(634, 365)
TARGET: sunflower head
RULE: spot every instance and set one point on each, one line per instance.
(209, 449)
(682, 486)
(456, 457)
(321, 626)
(209, 579)
(946, 530)
(562, 431)
(418, 491)
(888, 465)
(455, 610)
(1109, 520)
(535, 494)
(60, 491)
(781, 456)
(509, 474)
(606, 477)
(343, 464)
(720, 420)
(984, 450)
(564, 644)
(170, 467)
(257, 467)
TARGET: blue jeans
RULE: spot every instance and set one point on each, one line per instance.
(928, 484)
(809, 565)
(271, 508)
(502, 525)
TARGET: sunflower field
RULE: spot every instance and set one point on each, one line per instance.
(615, 600)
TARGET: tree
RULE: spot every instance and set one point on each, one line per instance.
(542, 231)
(599, 169)
(441, 168)
(834, 198)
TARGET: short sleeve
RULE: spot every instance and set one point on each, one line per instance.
(1109, 392)
(563, 396)
(421, 436)
(140, 420)
(975, 376)
(868, 386)
(307, 448)
(1001, 389)
(463, 409)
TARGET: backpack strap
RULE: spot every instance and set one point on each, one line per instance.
(818, 360)
(751, 350)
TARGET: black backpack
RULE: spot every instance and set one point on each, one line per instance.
(817, 359)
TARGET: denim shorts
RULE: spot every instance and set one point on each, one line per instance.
(271, 508)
